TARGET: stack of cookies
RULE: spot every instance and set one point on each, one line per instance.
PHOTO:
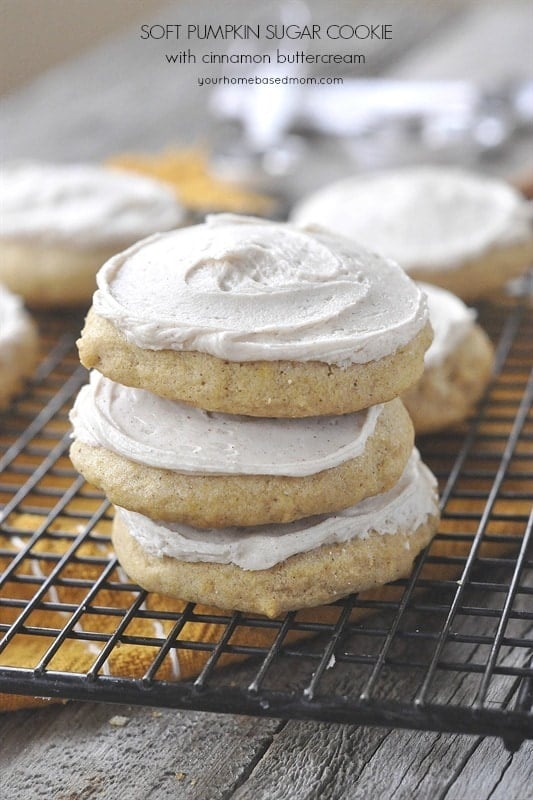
(243, 414)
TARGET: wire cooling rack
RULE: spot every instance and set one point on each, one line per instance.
(449, 649)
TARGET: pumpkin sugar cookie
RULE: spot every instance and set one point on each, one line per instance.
(277, 568)
(173, 462)
(246, 316)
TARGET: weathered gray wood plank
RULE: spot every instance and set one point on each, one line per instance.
(74, 749)
(507, 775)
(76, 752)
(352, 762)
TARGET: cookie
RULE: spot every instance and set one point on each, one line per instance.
(273, 569)
(18, 345)
(245, 316)
(466, 232)
(458, 365)
(173, 462)
(60, 223)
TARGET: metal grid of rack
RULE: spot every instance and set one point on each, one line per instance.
(448, 649)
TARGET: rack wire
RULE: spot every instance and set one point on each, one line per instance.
(447, 649)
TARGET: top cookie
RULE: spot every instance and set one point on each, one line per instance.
(60, 222)
(460, 230)
(246, 316)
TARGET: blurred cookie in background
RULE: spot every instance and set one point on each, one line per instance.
(18, 345)
(457, 365)
(61, 222)
(463, 231)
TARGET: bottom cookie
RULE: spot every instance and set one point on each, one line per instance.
(273, 569)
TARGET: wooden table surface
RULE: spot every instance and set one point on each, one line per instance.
(122, 96)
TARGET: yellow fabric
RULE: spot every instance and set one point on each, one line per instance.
(76, 656)
(133, 660)
(189, 173)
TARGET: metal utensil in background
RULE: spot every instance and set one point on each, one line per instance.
(292, 138)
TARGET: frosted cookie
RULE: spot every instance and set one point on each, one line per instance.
(466, 232)
(18, 345)
(173, 462)
(458, 365)
(277, 568)
(60, 223)
(245, 316)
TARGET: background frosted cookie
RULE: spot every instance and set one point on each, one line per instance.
(173, 462)
(252, 317)
(18, 345)
(458, 365)
(60, 223)
(272, 569)
(466, 232)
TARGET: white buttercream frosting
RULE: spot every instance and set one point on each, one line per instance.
(83, 205)
(451, 321)
(245, 289)
(151, 430)
(404, 507)
(15, 323)
(429, 217)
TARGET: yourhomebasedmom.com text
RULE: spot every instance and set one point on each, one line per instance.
(282, 80)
